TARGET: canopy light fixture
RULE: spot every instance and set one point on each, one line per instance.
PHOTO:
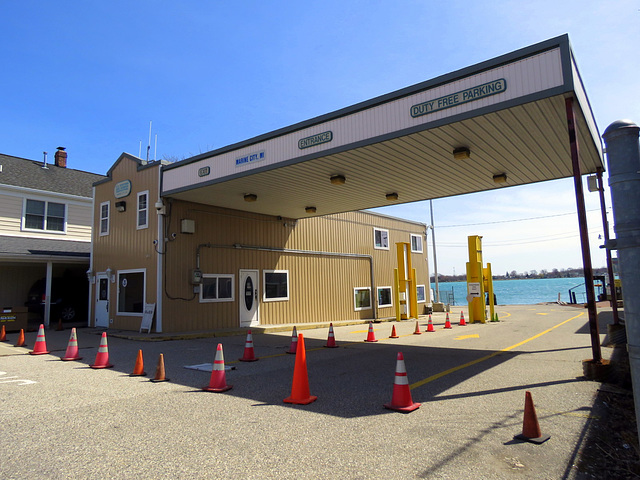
(392, 196)
(121, 206)
(338, 180)
(500, 178)
(310, 209)
(250, 197)
(461, 153)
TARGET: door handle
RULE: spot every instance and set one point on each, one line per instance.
(255, 294)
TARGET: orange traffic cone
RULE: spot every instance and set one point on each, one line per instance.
(530, 427)
(331, 339)
(138, 368)
(3, 334)
(300, 387)
(249, 355)
(160, 377)
(218, 382)
(430, 326)
(371, 337)
(294, 341)
(462, 321)
(417, 330)
(401, 400)
(447, 323)
(72, 348)
(102, 357)
(40, 348)
(393, 333)
(20, 342)
(59, 327)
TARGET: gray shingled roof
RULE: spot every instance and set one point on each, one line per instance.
(12, 246)
(21, 172)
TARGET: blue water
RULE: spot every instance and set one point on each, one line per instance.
(518, 292)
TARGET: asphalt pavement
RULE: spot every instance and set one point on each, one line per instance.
(67, 420)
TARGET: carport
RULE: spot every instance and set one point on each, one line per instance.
(520, 118)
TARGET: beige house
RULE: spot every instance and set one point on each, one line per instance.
(206, 267)
(45, 237)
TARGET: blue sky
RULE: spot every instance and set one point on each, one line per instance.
(91, 75)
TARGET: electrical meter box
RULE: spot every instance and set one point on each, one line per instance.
(196, 276)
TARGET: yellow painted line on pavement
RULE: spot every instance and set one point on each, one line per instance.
(464, 337)
(487, 357)
(541, 313)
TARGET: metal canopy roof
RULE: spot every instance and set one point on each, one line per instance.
(509, 112)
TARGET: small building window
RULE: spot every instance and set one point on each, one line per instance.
(104, 218)
(416, 243)
(361, 298)
(276, 285)
(384, 297)
(380, 239)
(217, 288)
(143, 209)
(44, 215)
(131, 292)
(421, 293)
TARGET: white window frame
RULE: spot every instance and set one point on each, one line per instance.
(139, 225)
(107, 218)
(46, 209)
(384, 305)
(382, 246)
(424, 291)
(144, 292)
(355, 292)
(418, 237)
(218, 276)
(264, 286)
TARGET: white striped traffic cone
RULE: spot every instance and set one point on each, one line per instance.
(102, 357)
(249, 355)
(293, 348)
(331, 339)
(40, 348)
(401, 400)
(72, 348)
(218, 382)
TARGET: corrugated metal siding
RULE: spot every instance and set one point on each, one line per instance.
(320, 287)
(126, 247)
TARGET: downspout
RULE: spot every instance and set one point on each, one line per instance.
(159, 263)
(90, 273)
(302, 252)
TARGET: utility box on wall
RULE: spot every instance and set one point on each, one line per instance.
(14, 318)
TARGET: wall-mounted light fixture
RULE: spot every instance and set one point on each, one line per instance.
(392, 196)
(338, 179)
(110, 276)
(461, 153)
(121, 206)
(250, 197)
(310, 209)
(500, 178)
(90, 276)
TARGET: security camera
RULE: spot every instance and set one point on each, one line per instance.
(159, 205)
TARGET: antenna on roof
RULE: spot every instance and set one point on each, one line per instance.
(44, 162)
(149, 144)
(155, 149)
(140, 150)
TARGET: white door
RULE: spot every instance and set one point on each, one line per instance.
(102, 300)
(249, 295)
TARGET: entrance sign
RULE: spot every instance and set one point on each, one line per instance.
(458, 98)
(147, 317)
(314, 140)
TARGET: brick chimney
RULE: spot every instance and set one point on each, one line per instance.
(61, 158)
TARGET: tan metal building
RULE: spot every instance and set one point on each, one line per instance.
(251, 269)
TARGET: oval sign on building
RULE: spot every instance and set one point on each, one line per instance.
(122, 189)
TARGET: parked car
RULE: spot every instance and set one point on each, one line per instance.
(68, 298)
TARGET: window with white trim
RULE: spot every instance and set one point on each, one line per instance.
(380, 239)
(275, 285)
(421, 294)
(131, 291)
(44, 215)
(416, 243)
(104, 218)
(143, 209)
(384, 297)
(361, 298)
(217, 288)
